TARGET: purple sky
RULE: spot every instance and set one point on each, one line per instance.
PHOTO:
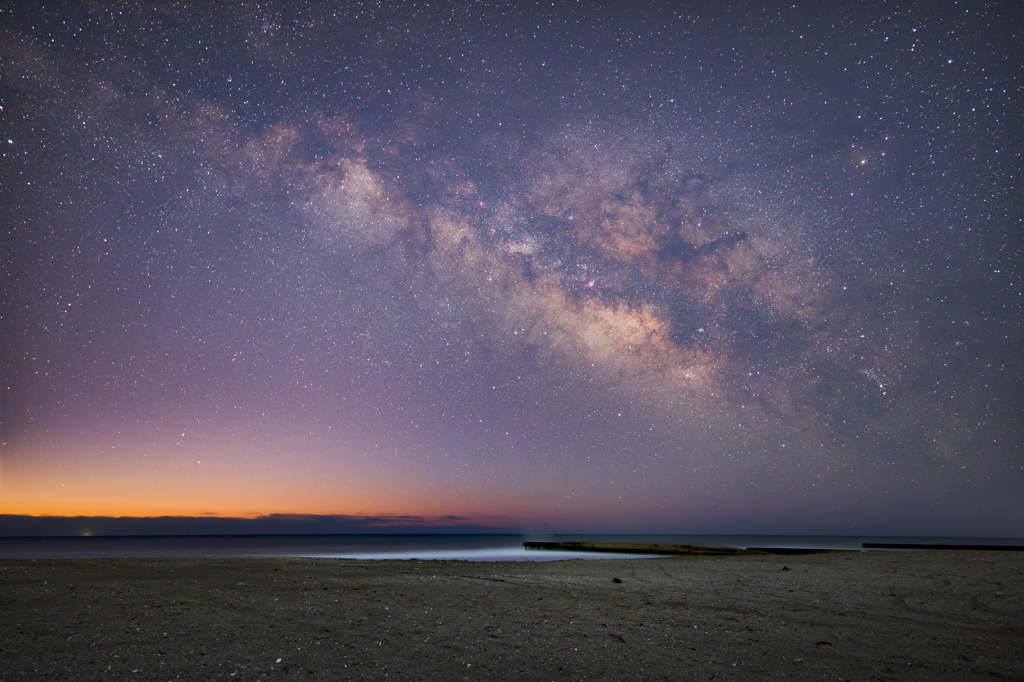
(566, 267)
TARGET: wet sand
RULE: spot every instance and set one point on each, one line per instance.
(861, 616)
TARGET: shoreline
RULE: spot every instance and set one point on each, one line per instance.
(906, 615)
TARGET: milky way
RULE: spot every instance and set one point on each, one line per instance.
(735, 270)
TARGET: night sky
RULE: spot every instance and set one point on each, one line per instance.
(690, 267)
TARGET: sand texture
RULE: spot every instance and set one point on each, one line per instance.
(862, 616)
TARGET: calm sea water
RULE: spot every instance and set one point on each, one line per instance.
(424, 547)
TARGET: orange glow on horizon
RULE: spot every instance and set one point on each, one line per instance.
(224, 484)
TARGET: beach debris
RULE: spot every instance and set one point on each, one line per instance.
(823, 642)
(786, 568)
(616, 580)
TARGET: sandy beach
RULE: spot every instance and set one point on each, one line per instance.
(851, 616)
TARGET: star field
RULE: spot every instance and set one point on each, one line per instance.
(556, 266)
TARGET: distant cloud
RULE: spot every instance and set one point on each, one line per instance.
(12, 525)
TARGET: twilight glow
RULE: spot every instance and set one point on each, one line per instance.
(565, 267)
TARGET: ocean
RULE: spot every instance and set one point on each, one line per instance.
(441, 547)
